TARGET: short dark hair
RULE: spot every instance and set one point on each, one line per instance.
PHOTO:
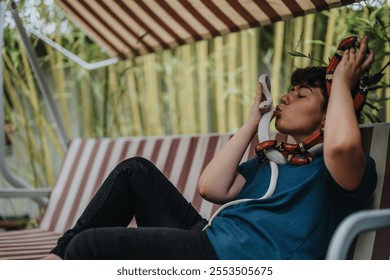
(312, 76)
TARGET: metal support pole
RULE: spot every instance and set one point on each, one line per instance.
(72, 56)
(39, 74)
(12, 179)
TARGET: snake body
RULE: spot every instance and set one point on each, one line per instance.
(267, 108)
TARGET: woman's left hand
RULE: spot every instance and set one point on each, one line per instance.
(353, 64)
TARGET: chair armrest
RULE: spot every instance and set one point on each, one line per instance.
(353, 225)
(29, 193)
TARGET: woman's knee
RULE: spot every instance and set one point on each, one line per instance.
(135, 163)
(83, 246)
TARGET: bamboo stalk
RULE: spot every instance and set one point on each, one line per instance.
(124, 99)
(319, 29)
(186, 90)
(341, 23)
(170, 92)
(245, 74)
(278, 56)
(220, 111)
(329, 38)
(87, 107)
(116, 105)
(288, 59)
(246, 56)
(253, 66)
(298, 42)
(232, 112)
(135, 116)
(152, 114)
(308, 34)
(202, 86)
(57, 66)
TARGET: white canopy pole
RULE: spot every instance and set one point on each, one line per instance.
(86, 65)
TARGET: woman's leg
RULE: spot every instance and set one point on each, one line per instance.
(134, 187)
(140, 244)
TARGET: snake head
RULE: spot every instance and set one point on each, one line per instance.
(265, 106)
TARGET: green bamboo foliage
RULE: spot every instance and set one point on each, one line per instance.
(204, 87)
(329, 39)
(30, 120)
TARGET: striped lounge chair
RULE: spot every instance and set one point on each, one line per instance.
(182, 159)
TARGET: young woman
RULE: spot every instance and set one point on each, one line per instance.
(296, 222)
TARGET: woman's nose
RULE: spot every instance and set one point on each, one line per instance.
(284, 99)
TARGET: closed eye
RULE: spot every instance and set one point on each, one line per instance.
(303, 92)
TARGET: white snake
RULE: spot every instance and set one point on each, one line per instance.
(274, 156)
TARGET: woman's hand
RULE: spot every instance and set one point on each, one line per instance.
(353, 65)
(255, 114)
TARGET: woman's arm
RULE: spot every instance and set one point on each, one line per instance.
(343, 152)
(220, 182)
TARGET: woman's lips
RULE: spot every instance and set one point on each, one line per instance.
(277, 111)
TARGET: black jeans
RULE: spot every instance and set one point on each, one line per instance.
(168, 227)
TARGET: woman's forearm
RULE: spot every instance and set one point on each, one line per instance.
(216, 180)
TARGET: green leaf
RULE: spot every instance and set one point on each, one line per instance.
(297, 54)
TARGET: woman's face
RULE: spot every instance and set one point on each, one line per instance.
(299, 113)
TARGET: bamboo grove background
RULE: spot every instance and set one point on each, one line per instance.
(202, 87)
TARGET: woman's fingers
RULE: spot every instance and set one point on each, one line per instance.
(368, 60)
(360, 60)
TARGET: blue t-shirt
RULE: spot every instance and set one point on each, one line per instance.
(296, 222)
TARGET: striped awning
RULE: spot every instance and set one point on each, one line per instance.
(128, 28)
